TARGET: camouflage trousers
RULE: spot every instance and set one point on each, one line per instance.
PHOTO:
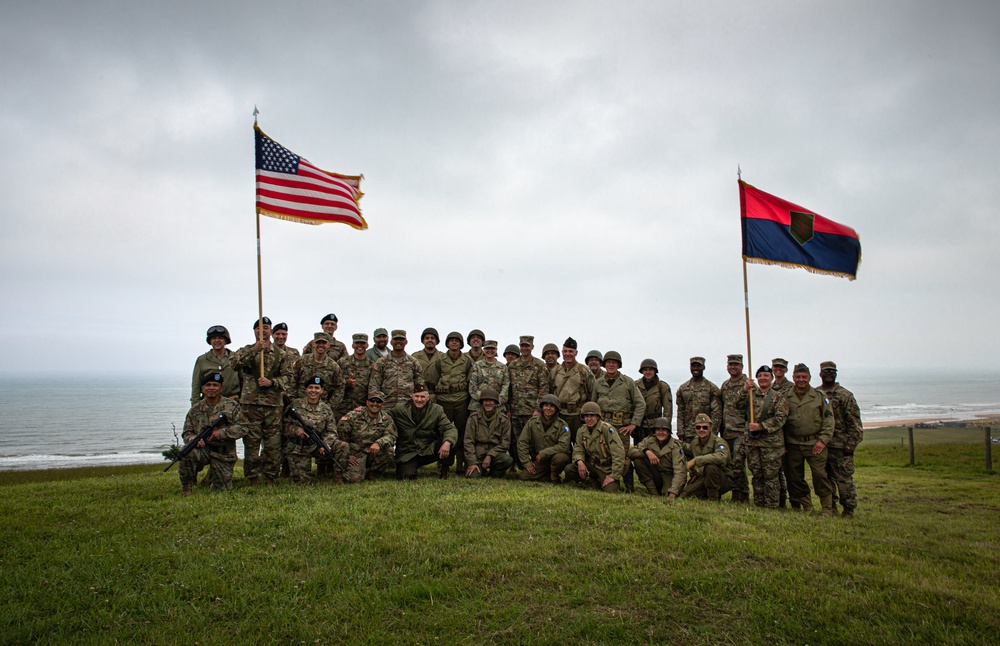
(738, 462)
(300, 454)
(498, 467)
(796, 457)
(765, 470)
(840, 470)
(368, 465)
(548, 468)
(219, 457)
(262, 444)
(595, 476)
(712, 483)
(458, 414)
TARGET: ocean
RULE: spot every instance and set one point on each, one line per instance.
(71, 420)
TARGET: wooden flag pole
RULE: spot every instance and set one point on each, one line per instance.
(746, 310)
(260, 288)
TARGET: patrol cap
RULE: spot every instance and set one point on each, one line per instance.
(702, 418)
(549, 399)
(570, 343)
(360, 337)
(550, 347)
(648, 363)
(594, 354)
(279, 326)
(612, 355)
(217, 330)
(695, 360)
(380, 331)
(315, 381)
(828, 365)
(764, 368)
(399, 334)
(256, 322)
(591, 408)
(735, 358)
(512, 349)
(661, 422)
(527, 339)
(430, 330)
(377, 395)
(321, 336)
(329, 317)
(489, 393)
(490, 344)
(801, 367)
(212, 378)
(479, 333)
(778, 361)
(455, 335)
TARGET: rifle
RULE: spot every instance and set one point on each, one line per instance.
(314, 437)
(205, 433)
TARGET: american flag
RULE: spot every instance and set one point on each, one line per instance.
(290, 188)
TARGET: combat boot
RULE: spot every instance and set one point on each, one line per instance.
(827, 505)
(187, 489)
(715, 496)
(443, 472)
(848, 514)
(338, 477)
(651, 488)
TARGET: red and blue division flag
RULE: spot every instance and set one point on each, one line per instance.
(776, 232)
(290, 188)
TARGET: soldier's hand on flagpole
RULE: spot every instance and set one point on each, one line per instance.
(264, 382)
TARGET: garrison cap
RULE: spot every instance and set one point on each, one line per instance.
(735, 358)
(430, 330)
(764, 368)
(594, 354)
(217, 330)
(378, 394)
(212, 378)
(380, 331)
(399, 334)
(778, 361)
(550, 347)
(455, 335)
(329, 317)
(700, 360)
(828, 365)
(702, 418)
(570, 343)
(491, 344)
(360, 337)
(315, 381)
(321, 336)
(266, 320)
(801, 367)
(489, 393)
(527, 340)
(279, 326)
(478, 333)
(512, 349)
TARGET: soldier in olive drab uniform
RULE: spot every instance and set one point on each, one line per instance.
(598, 455)
(808, 429)
(357, 372)
(779, 367)
(380, 349)
(318, 362)
(261, 401)
(218, 359)
(659, 461)
(370, 434)
(594, 361)
(423, 435)
(573, 383)
(550, 355)
(476, 339)
(544, 447)
(709, 463)
(622, 405)
(397, 374)
(448, 377)
(848, 432)
(488, 373)
(734, 425)
(487, 439)
(529, 382)
(765, 441)
(337, 349)
(219, 452)
(280, 335)
(300, 448)
(427, 354)
(697, 395)
(658, 397)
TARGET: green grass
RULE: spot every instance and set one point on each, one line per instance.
(124, 559)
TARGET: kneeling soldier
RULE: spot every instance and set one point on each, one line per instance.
(659, 459)
(544, 446)
(301, 449)
(599, 454)
(487, 437)
(709, 466)
(371, 434)
(219, 452)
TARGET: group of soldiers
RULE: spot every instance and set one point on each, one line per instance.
(379, 409)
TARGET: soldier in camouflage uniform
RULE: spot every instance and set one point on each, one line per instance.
(318, 362)
(808, 431)
(779, 367)
(529, 382)
(573, 383)
(396, 374)
(261, 402)
(598, 455)
(279, 333)
(488, 373)
(426, 355)
(543, 447)
(487, 439)
(370, 434)
(219, 453)
(659, 461)
(423, 435)
(337, 349)
(380, 349)
(697, 395)
(216, 360)
(357, 371)
(448, 377)
(510, 355)
(300, 448)
(594, 361)
(765, 441)
(734, 424)
(709, 464)
(476, 339)
(847, 435)
(622, 404)
(658, 397)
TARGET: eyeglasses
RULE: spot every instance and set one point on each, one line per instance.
(373, 400)
(702, 427)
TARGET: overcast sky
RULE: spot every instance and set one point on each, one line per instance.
(546, 168)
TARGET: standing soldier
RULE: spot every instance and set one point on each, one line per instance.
(370, 435)
(396, 374)
(218, 359)
(658, 397)
(622, 404)
(779, 367)
(510, 354)
(697, 395)
(219, 452)
(765, 440)
(337, 349)
(543, 447)
(659, 459)
(357, 371)
(476, 339)
(573, 384)
(708, 463)
(261, 402)
(300, 448)
(429, 352)
(318, 362)
(599, 455)
(423, 435)
(380, 349)
(449, 374)
(488, 373)
(550, 355)
(594, 361)
(487, 439)
(808, 429)
(847, 435)
(529, 382)
(280, 335)
(734, 425)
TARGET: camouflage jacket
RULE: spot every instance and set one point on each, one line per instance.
(529, 381)
(771, 420)
(601, 446)
(485, 375)
(336, 351)
(672, 461)
(277, 368)
(693, 397)
(734, 411)
(306, 367)
(848, 430)
(360, 430)
(810, 418)
(396, 377)
(573, 386)
(290, 350)
(361, 372)
(207, 364)
(201, 414)
(659, 400)
(484, 437)
(449, 378)
(620, 401)
(319, 415)
(419, 434)
(784, 387)
(543, 438)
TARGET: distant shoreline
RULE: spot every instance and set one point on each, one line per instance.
(930, 420)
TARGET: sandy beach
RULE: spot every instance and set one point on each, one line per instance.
(927, 420)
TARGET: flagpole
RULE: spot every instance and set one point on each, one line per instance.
(746, 302)
(260, 288)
